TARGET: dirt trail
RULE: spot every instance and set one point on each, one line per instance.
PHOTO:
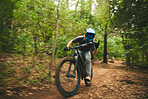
(110, 81)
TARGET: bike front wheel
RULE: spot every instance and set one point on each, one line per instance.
(67, 77)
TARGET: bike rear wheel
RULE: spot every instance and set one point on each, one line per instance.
(67, 79)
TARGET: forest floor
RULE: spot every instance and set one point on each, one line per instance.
(110, 81)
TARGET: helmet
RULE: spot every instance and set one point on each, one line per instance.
(89, 34)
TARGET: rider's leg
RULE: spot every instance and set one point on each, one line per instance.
(87, 56)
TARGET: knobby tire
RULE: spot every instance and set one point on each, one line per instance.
(62, 69)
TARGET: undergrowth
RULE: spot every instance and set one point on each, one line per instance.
(23, 71)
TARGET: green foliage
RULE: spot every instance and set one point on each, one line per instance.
(115, 47)
(130, 18)
(7, 35)
(29, 27)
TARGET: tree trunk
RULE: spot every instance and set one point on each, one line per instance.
(67, 3)
(146, 57)
(128, 61)
(105, 46)
(143, 57)
(82, 7)
(77, 5)
(55, 42)
(90, 6)
(35, 42)
(126, 47)
(128, 55)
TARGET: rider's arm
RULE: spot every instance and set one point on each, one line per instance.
(74, 41)
(95, 52)
(69, 43)
(96, 48)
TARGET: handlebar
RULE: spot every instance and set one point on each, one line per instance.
(82, 45)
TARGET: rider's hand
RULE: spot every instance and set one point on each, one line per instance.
(97, 44)
(66, 49)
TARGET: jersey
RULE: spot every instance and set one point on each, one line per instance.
(80, 40)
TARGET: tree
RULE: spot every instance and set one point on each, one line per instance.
(130, 19)
(56, 35)
(7, 36)
(35, 23)
(104, 19)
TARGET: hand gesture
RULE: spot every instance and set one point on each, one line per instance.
(97, 44)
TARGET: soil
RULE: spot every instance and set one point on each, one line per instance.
(110, 81)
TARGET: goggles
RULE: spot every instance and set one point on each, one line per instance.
(90, 35)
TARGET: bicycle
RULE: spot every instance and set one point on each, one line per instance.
(68, 74)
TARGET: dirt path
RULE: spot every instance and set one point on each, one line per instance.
(110, 81)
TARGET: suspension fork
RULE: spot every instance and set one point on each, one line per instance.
(75, 67)
(69, 69)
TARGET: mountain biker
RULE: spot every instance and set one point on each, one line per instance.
(86, 51)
